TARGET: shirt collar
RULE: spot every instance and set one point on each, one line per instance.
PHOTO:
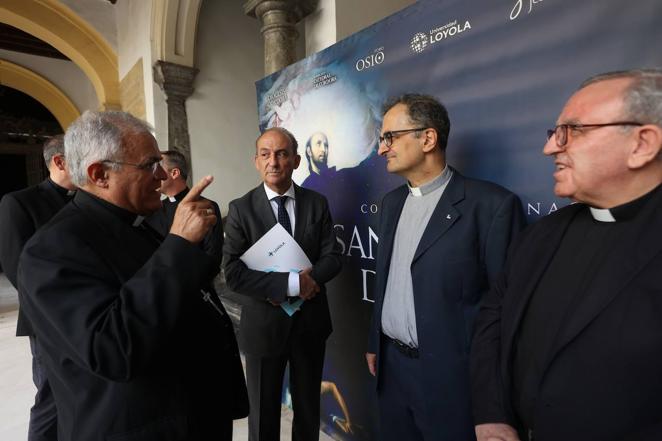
(625, 211)
(61, 190)
(178, 197)
(272, 194)
(433, 185)
(602, 214)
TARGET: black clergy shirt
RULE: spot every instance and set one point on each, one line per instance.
(578, 259)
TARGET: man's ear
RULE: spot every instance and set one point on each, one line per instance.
(648, 145)
(175, 173)
(97, 175)
(430, 140)
(58, 161)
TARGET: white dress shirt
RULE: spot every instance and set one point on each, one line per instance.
(290, 207)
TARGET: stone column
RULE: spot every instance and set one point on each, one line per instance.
(278, 18)
(177, 83)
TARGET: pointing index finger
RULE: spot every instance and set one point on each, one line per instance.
(196, 191)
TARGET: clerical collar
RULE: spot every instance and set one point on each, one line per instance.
(126, 216)
(623, 212)
(602, 214)
(434, 184)
(61, 190)
(178, 197)
(272, 194)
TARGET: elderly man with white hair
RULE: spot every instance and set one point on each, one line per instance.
(134, 346)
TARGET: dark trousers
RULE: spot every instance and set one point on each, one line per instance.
(43, 415)
(264, 377)
(401, 397)
(208, 427)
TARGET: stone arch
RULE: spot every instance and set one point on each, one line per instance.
(39, 88)
(174, 27)
(63, 29)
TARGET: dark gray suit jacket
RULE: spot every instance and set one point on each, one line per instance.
(264, 328)
(212, 244)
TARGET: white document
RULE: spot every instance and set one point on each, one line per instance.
(277, 251)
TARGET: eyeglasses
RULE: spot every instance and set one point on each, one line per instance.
(560, 132)
(387, 137)
(152, 165)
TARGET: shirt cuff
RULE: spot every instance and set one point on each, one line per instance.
(293, 285)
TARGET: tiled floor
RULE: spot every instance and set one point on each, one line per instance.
(17, 390)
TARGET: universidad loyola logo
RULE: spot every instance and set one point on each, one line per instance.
(421, 41)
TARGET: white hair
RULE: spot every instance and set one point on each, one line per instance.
(95, 137)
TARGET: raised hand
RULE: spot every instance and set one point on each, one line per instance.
(194, 216)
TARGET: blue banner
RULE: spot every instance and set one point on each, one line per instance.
(504, 70)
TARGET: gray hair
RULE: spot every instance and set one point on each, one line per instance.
(174, 159)
(52, 147)
(97, 136)
(424, 111)
(283, 131)
(643, 98)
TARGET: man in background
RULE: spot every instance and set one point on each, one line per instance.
(21, 214)
(175, 188)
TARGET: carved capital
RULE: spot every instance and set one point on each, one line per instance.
(297, 9)
(279, 18)
(175, 80)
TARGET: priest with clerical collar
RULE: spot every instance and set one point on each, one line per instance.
(567, 344)
(173, 189)
(133, 342)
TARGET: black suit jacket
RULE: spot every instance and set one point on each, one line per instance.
(458, 257)
(212, 244)
(131, 350)
(264, 328)
(21, 214)
(602, 379)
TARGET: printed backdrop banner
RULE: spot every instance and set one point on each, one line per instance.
(503, 68)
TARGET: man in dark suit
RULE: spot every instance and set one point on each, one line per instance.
(21, 214)
(133, 346)
(567, 343)
(268, 336)
(442, 241)
(174, 188)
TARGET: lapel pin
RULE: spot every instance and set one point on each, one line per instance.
(448, 216)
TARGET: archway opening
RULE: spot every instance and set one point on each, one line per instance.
(25, 124)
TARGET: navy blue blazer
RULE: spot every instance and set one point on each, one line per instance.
(458, 257)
